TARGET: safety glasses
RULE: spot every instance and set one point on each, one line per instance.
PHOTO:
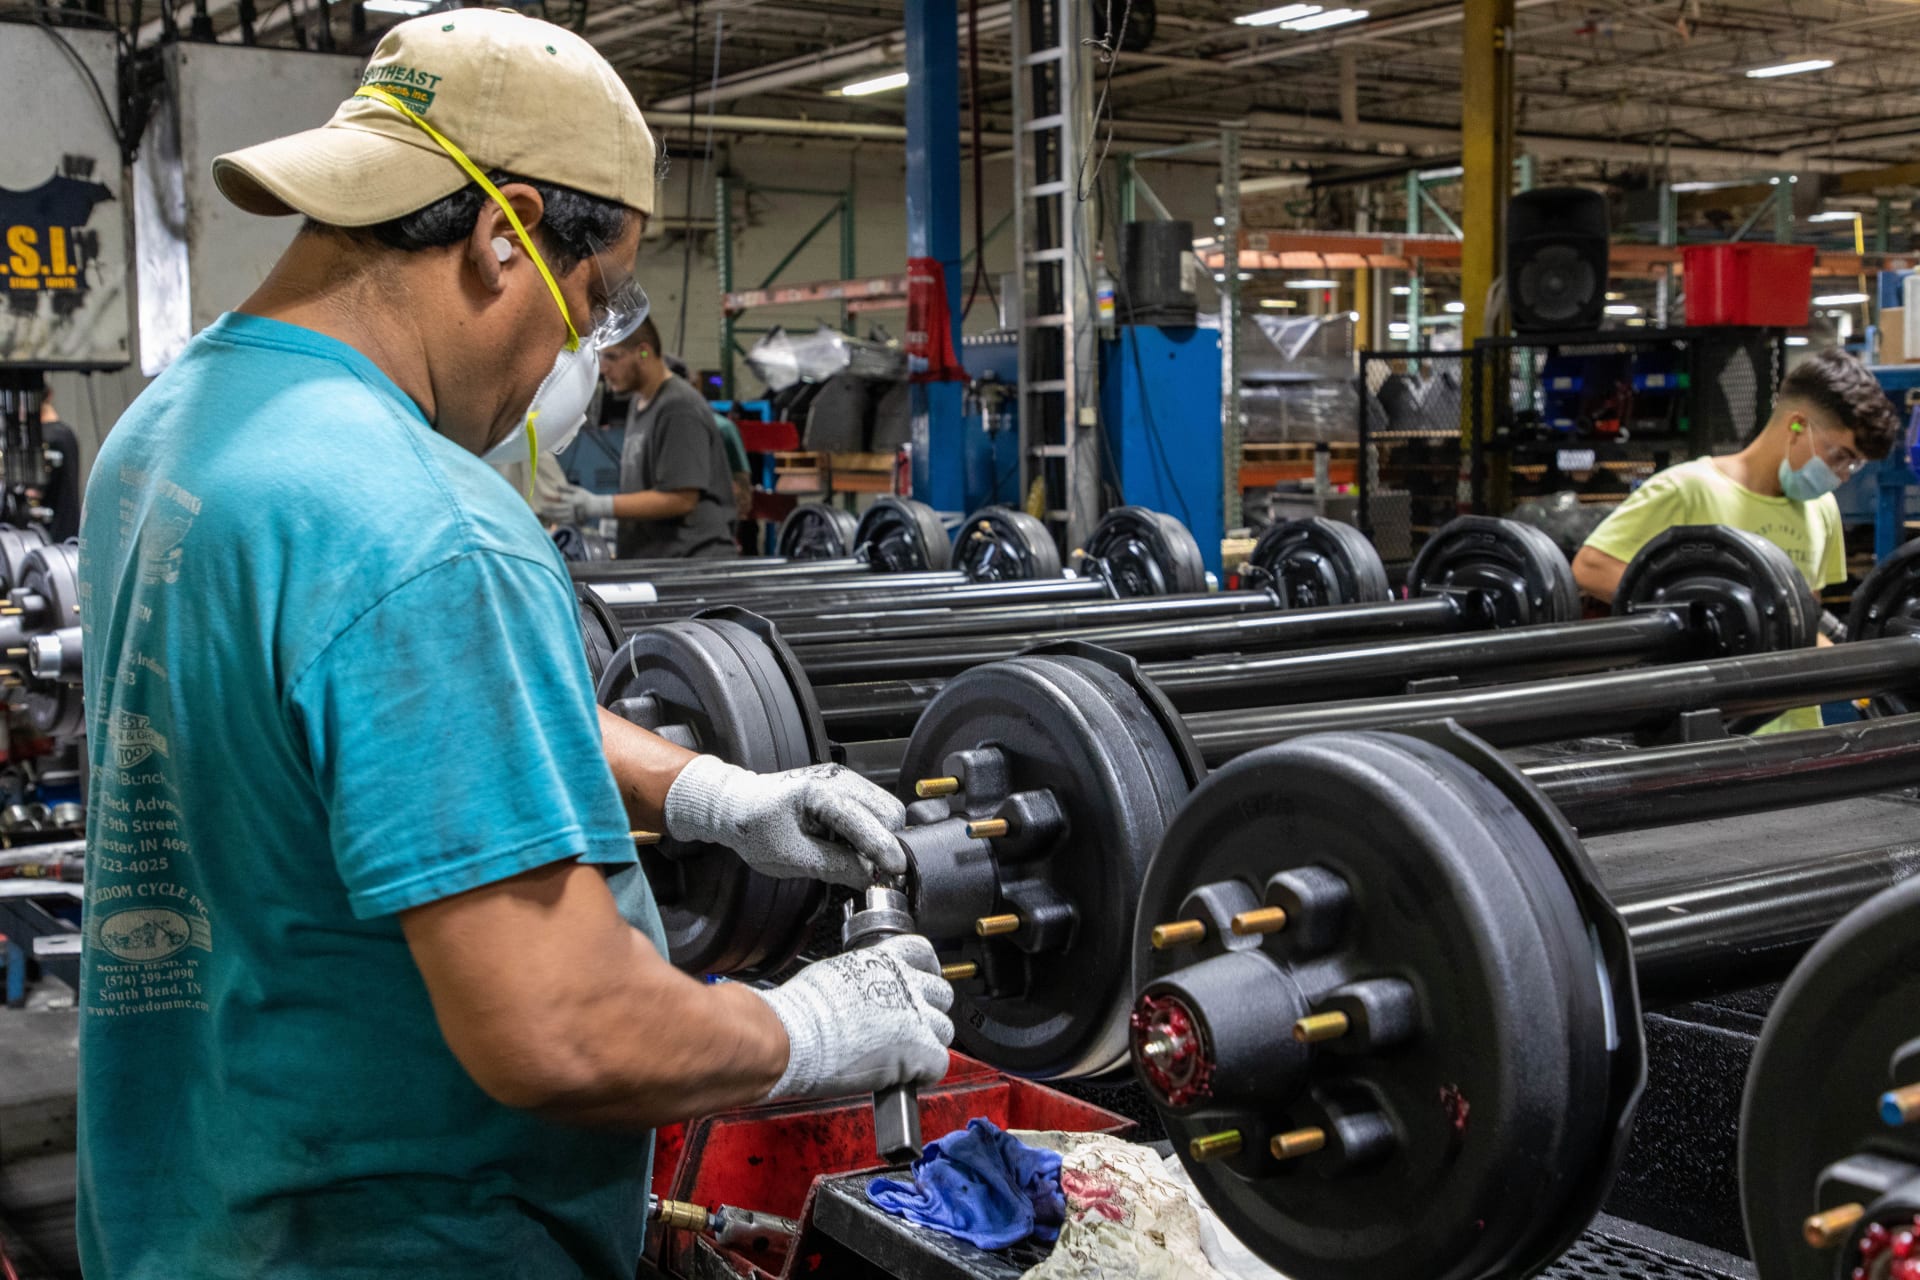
(1842, 460)
(624, 307)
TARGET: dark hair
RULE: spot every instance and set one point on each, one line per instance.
(570, 226)
(648, 334)
(1839, 384)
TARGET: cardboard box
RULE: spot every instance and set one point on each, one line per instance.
(1893, 335)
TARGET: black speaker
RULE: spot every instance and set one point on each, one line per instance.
(1557, 259)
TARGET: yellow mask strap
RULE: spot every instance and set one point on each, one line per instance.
(519, 228)
(473, 171)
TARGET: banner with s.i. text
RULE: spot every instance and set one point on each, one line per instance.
(64, 266)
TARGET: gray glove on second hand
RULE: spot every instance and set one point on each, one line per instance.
(821, 822)
(588, 505)
(556, 508)
(864, 1021)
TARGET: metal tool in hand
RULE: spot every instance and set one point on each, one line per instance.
(896, 1110)
(743, 1229)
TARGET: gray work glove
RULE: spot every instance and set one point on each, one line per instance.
(822, 822)
(864, 1021)
(554, 508)
(562, 505)
(589, 506)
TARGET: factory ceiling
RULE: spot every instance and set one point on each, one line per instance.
(1602, 86)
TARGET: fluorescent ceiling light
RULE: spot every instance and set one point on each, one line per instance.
(1245, 275)
(1638, 324)
(879, 84)
(1285, 13)
(1219, 221)
(405, 8)
(1615, 297)
(1702, 186)
(1434, 175)
(1331, 18)
(1796, 342)
(1456, 308)
(1840, 300)
(1623, 309)
(1834, 215)
(1313, 284)
(1279, 304)
(1401, 290)
(1789, 68)
(1397, 327)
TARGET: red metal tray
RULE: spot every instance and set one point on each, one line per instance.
(768, 1157)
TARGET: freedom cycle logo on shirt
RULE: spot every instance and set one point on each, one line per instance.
(133, 739)
(413, 87)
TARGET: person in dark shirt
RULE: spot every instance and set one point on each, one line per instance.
(61, 494)
(676, 486)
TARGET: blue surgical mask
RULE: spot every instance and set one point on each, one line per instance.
(1806, 483)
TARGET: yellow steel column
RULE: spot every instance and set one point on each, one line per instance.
(1363, 304)
(1486, 155)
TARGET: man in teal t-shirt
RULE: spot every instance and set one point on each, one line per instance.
(370, 984)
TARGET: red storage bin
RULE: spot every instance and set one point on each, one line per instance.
(1757, 284)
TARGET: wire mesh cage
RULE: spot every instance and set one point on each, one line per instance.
(1409, 432)
(1592, 415)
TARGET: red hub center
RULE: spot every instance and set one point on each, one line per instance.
(1170, 1050)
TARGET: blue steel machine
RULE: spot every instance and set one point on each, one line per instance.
(1887, 493)
(1160, 402)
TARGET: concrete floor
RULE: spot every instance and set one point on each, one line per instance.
(39, 1054)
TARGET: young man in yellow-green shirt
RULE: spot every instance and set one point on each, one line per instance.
(1830, 418)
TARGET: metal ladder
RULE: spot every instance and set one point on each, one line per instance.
(1054, 246)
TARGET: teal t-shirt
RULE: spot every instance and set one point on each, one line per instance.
(332, 673)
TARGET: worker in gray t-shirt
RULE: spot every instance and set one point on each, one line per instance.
(676, 488)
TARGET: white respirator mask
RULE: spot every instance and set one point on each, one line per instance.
(561, 401)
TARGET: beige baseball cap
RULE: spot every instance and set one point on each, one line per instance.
(513, 92)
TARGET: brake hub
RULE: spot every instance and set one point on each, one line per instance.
(1315, 562)
(816, 531)
(1377, 993)
(722, 683)
(1515, 566)
(1753, 599)
(1045, 783)
(899, 535)
(1830, 1125)
(999, 544)
(1143, 553)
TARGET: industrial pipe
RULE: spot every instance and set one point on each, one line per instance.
(934, 657)
(1614, 702)
(886, 709)
(1495, 952)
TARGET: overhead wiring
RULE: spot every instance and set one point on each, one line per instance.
(1109, 48)
(980, 275)
(706, 159)
(32, 16)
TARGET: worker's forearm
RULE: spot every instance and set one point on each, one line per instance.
(587, 1022)
(669, 1048)
(644, 765)
(1598, 574)
(654, 504)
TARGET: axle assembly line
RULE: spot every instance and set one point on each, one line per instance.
(1382, 972)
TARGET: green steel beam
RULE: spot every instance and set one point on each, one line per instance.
(801, 245)
(723, 261)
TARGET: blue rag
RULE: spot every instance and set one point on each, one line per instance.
(981, 1185)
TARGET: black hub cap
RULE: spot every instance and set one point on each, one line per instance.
(1316, 562)
(721, 684)
(1390, 1020)
(1518, 568)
